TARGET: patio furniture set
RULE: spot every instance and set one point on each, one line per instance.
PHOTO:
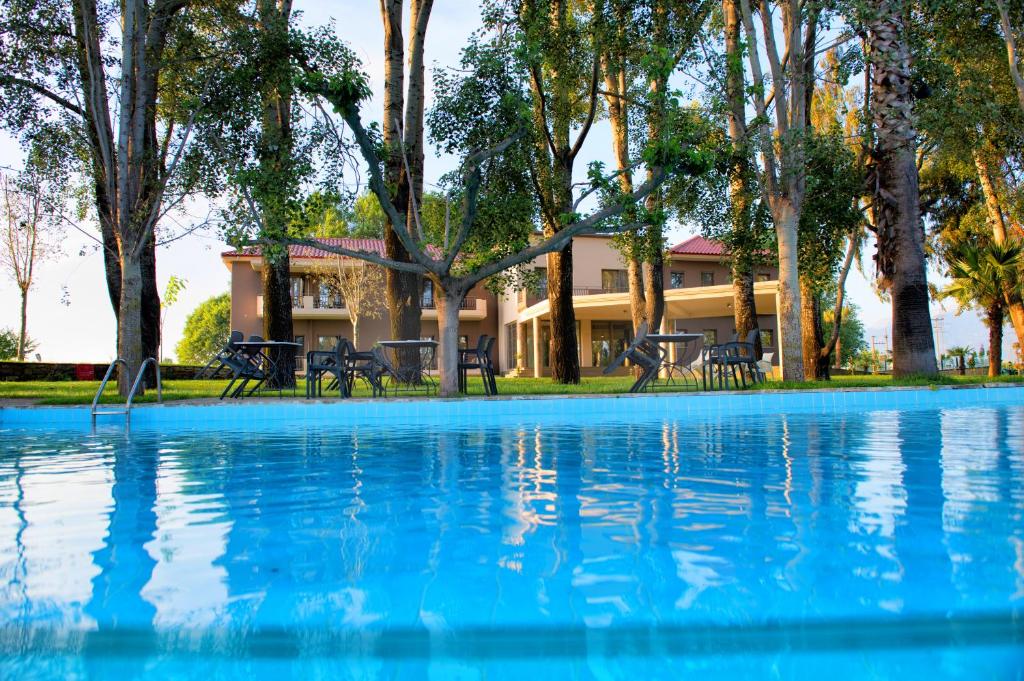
(389, 368)
(715, 363)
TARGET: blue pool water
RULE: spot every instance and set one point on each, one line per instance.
(855, 544)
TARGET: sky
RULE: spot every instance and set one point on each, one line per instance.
(69, 313)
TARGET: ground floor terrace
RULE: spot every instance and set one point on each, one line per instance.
(604, 327)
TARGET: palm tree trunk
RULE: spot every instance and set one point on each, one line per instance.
(997, 221)
(900, 258)
(994, 319)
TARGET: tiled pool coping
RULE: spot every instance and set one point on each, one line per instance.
(214, 414)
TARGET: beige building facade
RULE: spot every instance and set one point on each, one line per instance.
(698, 299)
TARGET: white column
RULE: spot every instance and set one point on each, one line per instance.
(538, 356)
(778, 332)
(586, 348)
(520, 348)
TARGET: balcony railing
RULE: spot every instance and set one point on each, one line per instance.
(528, 298)
(467, 303)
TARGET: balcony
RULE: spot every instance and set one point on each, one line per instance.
(527, 299)
(333, 307)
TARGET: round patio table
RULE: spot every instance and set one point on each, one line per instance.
(268, 355)
(410, 364)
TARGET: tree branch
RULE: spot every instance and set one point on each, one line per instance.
(367, 256)
(41, 90)
(594, 80)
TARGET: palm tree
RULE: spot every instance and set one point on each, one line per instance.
(959, 352)
(894, 176)
(980, 277)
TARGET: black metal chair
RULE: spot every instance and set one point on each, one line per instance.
(476, 359)
(320, 363)
(244, 366)
(489, 357)
(643, 355)
(229, 349)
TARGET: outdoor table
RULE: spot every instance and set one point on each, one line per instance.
(410, 364)
(678, 367)
(268, 354)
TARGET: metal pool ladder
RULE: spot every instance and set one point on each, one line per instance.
(127, 411)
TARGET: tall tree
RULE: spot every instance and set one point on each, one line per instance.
(972, 112)
(636, 85)
(276, 158)
(558, 43)
(743, 246)
(894, 175)
(56, 86)
(27, 213)
(404, 163)
(782, 152)
(978, 276)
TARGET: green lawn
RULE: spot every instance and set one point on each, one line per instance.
(82, 392)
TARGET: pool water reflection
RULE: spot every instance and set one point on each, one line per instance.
(885, 544)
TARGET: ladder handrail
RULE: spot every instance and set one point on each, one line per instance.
(135, 387)
(103, 383)
(138, 382)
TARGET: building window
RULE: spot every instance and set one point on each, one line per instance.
(614, 281)
(707, 278)
(710, 336)
(767, 338)
(296, 285)
(327, 343)
(675, 280)
(463, 341)
(427, 299)
(762, 276)
(608, 340)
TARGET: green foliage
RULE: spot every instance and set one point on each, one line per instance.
(851, 330)
(476, 108)
(175, 285)
(9, 344)
(207, 329)
(830, 211)
(980, 275)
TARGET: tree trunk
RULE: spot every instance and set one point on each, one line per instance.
(129, 320)
(1011, 50)
(151, 330)
(448, 303)
(997, 221)
(637, 297)
(23, 332)
(654, 292)
(565, 365)
(355, 330)
(900, 258)
(403, 288)
(744, 306)
(816, 365)
(277, 314)
(994, 319)
(790, 336)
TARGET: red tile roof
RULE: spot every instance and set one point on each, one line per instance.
(303, 251)
(698, 245)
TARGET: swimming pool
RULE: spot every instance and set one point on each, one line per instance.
(608, 538)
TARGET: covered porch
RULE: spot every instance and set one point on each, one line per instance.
(604, 326)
